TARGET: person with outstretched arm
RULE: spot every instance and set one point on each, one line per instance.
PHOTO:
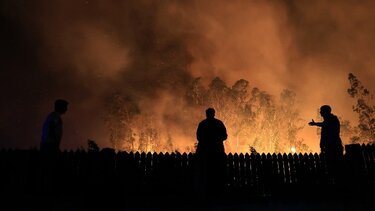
(330, 142)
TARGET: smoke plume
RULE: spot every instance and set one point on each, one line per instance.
(150, 51)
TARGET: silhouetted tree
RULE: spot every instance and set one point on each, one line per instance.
(348, 131)
(168, 147)
(242, 115)
(119, 116)
(265, 126)
(290, 121)
(196, 93)
(218, 97)
(364, 108)
(148, 133)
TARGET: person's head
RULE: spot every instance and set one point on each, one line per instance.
(325, 110)
(61, 106)
(210, 113)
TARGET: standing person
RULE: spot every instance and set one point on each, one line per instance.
(211, 133)
(330, 141)
(49, 146)
(53, 128)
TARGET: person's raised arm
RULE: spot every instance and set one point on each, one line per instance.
(313, 123)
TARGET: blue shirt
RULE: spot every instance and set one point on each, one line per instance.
(52, 129)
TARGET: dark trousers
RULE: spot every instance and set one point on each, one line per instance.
(334, 160)
(49, 167)
(210, 174)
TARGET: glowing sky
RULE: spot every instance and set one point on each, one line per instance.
(85, 50)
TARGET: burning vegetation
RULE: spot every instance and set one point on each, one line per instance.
(254, 119)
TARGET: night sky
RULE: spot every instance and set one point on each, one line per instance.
(84, 51)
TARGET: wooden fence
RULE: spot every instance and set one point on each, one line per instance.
(123, 173)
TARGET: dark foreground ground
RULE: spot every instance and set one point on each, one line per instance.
(329, 199)
(107, 180)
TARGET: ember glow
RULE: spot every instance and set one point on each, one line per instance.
(126, 66)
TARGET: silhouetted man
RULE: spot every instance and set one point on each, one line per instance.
(53, 128)
(211, 134)
(50, 145)
(330, 141)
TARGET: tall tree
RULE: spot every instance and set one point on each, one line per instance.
(196, 92)
(365, 109)
(265, 128)
(119, 116)
(148, 133)
(241, 116)
(290, 120)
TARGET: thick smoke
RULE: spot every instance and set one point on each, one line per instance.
(149, 51)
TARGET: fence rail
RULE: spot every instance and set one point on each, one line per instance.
(128, 173)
